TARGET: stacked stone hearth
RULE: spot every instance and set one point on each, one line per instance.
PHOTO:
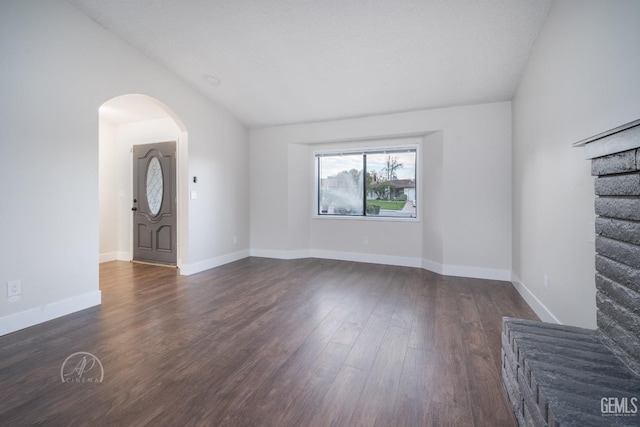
(558, 375)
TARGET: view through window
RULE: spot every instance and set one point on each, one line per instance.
(368, 183)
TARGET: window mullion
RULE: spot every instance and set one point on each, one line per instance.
(364, 184)
(319, 171)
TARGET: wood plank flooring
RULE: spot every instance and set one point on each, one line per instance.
(263, 342)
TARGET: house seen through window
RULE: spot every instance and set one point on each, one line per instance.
(368, 183)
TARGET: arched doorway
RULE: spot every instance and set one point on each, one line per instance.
(126, 122)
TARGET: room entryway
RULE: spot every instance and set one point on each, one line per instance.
(143, 157)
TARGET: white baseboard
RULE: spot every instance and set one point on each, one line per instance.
(124, 256)
(436, 267)
(536, 305)
(466, 271)
(24, 319)
(369, 258)
(107, 257)
(269, 253)
(476, 272)
(340, 256)
(197, 267)
(115, 256)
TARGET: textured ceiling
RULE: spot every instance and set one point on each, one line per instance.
(290, 61)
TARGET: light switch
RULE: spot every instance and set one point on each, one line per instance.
(194, 195)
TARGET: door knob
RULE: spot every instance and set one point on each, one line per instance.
(134, 209)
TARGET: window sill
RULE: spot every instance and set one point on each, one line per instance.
(365, 218)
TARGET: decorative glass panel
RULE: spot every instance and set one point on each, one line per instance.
(154, 186)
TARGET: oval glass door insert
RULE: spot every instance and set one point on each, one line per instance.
(154, 186)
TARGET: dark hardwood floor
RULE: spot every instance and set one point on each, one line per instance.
(264, 342)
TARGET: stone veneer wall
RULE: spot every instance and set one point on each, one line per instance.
(617, 205)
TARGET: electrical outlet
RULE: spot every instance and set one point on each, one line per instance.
(14, 288)
(546, 282)
(365, 240)
(235, 240)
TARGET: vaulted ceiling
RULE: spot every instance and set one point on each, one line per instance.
(289, 61)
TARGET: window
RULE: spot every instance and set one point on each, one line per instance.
(376, 183)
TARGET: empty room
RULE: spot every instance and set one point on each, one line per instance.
(320, 213)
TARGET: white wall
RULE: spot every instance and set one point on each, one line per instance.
(108, 192)
(58, 67)
(467, 184)
(581, 79)
(431, 191)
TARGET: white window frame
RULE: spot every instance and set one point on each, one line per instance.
(373, 149)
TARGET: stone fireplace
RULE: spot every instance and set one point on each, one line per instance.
(558, 375)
